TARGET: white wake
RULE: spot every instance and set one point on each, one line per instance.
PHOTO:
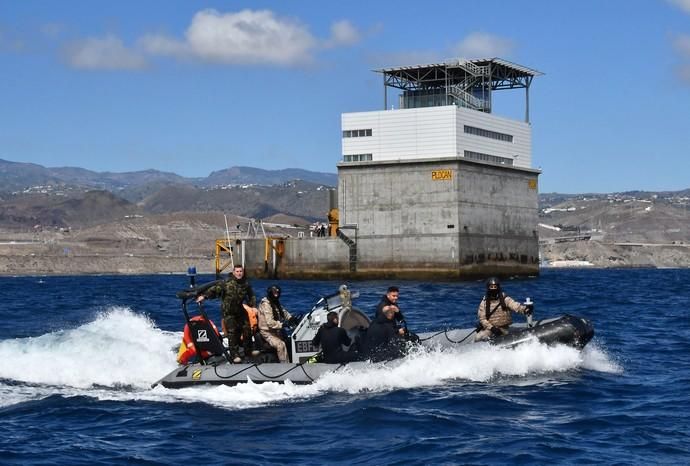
(121, 353)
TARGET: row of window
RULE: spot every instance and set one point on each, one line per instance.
(488, 134)
(357, 157)
(356, 133)
(488, 158)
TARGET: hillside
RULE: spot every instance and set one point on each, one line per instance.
(70, 219)
(33, 196)
(17, 176)
(632, 229)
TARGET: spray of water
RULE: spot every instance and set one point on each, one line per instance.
(120, 353)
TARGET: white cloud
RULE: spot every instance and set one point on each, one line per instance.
(159, 44)
(107, 53)
(483, 45)
(343, 33)
(246, 37)
(682, 44)
(682, 4)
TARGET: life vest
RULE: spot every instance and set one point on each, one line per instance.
(252, 317)
(187, 350)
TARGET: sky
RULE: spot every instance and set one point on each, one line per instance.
(195, 86)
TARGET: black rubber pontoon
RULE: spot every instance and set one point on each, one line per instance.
(566, 330)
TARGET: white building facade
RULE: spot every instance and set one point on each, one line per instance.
(432, 132)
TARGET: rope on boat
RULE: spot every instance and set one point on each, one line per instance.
(305, 372)
(300, 365)
(445, 333)
(458, 342)
(215, 369)
(279, 375)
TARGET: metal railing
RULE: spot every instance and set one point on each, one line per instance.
(471, 101)
(473, 69)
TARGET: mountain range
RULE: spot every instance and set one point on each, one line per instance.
(18, 176)
(32, 195)
(67, 196)
(58, 213)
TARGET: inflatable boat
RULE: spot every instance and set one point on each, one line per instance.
(215, 366)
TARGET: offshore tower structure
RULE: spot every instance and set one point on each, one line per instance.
(436, 186)
(440, 186)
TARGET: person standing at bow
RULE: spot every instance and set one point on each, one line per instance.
(233, 292)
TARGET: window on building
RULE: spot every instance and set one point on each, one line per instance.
(357, 133)
(488, 134)
(488, 158)
(357, 157)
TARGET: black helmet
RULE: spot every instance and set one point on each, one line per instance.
(493, 287)
(273, 292)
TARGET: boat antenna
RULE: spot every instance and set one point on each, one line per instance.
(227, 236)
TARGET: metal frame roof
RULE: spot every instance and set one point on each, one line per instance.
(468, 83)
(477, 61)
(497, 74)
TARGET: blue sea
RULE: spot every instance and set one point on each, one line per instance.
(78, 356)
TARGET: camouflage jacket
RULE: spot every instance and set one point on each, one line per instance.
(500, 317)
(232, 294)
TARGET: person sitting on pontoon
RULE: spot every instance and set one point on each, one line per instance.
(331, 339)
(385, 340)
(272, 317)
(495, 311)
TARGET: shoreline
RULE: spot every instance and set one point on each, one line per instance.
(184, 273)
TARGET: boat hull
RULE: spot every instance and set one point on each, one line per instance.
(566, 330)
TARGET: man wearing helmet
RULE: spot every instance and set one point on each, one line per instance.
(495, 311)
(272, 316)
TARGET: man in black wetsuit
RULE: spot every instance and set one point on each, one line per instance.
(331, 338)
(385, 340)
(390, 299)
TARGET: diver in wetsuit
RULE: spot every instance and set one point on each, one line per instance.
(331, 339)
(385, 340)
(390, 299)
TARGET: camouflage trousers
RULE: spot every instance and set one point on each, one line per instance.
(277, 343)
(238, 330)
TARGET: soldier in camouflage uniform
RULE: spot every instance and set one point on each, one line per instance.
(272, 316)
(233, 292)
(494, 311)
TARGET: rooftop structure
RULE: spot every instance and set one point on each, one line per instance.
(444, 110)
(465, 83)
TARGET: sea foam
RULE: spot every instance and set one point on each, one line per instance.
(121, 353)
